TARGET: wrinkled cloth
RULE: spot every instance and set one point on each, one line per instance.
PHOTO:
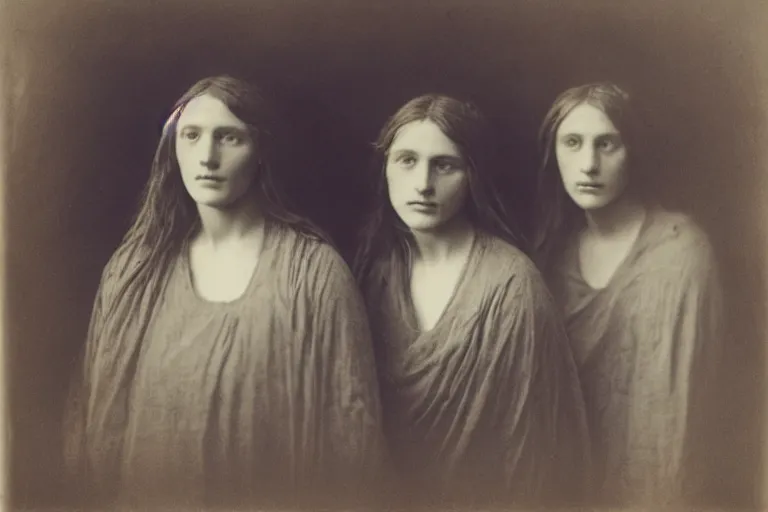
(484, 409)
(647, 345)
(268, 399)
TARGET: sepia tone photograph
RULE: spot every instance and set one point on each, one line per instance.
(416, 255)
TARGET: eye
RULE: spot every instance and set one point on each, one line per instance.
(571, 142)
(608, 145)
(406, 160)
(190, 135)
(232, 139)
(445, 167)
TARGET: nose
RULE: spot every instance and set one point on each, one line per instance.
(210, 154)
(590, 161)
(423, 180)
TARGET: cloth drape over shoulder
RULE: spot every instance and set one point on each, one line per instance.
(485, 408)
(270, 398)
(647, 345)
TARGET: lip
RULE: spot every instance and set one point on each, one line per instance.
(589, 187)
(422, 206)
(207, 177)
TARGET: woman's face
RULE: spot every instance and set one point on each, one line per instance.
(215, 152)
(592, 157)
(426, 176)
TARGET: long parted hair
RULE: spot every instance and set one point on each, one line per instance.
(384, 234)
(133, 281)
(167, 215)
(556, 215)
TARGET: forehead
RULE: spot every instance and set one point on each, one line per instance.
(423, 137)
(588, 120)
(207, 110)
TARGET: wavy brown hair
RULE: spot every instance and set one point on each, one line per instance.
(555, 212)
(463, 123)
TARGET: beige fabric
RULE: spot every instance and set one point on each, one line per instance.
(485, 407)
(266, 399)
(646, 346)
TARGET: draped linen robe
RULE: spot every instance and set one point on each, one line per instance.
(647, 345)
(269, 399)
(485, 408)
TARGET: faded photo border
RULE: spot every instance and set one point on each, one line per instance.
(27, 32)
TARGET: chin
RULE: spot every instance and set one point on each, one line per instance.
(591, 207)
(218, 199)
(423, 226)
(221, 203)
(420, 225)
(592, 203)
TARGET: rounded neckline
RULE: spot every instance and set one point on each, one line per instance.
(189, 281)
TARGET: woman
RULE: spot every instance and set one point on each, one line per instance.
(480, 396)
(228, 360)
(639, 289)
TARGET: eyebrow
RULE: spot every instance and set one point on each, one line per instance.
(612, 133)
(227, 128)
(456, 159)
(441, 156)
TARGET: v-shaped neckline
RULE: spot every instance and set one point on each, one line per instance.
(624, 262)
(466, 268)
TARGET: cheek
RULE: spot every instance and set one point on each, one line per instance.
(565, 163)
(455, 190)
(242, 166)
(394, 182)
(186, 165)
(182, 153)
(618, 169)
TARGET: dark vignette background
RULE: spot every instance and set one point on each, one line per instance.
(92, 82)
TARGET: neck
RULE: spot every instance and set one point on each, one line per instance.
(615, 218)
(441, 244)
(222, 225)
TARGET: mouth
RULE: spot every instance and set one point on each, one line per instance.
(209, 178)
(588, 186)
(422, 206)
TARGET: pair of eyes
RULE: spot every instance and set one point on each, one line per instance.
(605, 144)
(442, 165)
(227, 138)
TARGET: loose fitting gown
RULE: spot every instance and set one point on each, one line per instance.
(646, 346)
(268, 399)
(485, 408)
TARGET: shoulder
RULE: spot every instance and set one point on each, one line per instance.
(310, 252)
(515, 294)
(678, 227)
(675, 258)
(312, 261)
(123, 258)
(510, 271)
(506, 261)
(122, 264)
(678, 241)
